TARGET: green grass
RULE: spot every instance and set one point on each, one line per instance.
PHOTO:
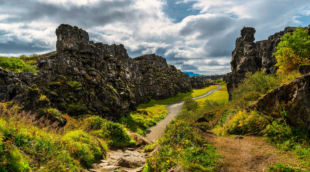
(282, 168)
(31, 144)
(22, 64)
(183, 144)
(156, 111)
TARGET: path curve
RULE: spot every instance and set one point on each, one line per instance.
(158, 130)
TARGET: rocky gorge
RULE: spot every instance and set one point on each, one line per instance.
(83, 77)
(250, 56)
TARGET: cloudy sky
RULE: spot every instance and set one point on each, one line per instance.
(194, 35)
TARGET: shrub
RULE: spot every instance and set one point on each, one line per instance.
(190, 104)
(243, 122)
(94, 123)
(83, 147)
(293, 50)
(278, 131)
(115, 133)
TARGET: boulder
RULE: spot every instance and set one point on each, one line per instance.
(130, 162)
(292, 98)
(304, 69)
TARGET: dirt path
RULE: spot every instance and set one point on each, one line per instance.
(158, 130)
(247, 154)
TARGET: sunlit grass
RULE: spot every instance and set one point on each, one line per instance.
(156, 110)
(220, 96)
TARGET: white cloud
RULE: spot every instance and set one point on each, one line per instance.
(204, 41)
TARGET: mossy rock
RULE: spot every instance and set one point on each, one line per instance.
(76, 109)
(304, 69)
(52, 114)
(53, 93)
(75, 84)
(62, 106)
(54, 83)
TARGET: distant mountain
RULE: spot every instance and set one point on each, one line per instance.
(193, 74)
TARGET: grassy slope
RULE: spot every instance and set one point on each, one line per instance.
(156, 110)
(229, 118)
(27, 144)
(30, 145)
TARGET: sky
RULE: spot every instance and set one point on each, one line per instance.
(194, 35)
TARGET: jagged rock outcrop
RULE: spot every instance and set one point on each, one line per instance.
(83, 77)
(250, 57)
(215, 77)
(293, 98)
(198, 82)
(11, 84)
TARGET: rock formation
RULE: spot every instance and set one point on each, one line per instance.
(215, 77)
(83, 77)
(293, 98)
(198, 82)
(250, 57)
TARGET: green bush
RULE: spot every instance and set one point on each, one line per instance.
(16, 65)
(278, 131)
(115, 133)
(83, 147)
(190, 104)
(95, 122)
(243, 122)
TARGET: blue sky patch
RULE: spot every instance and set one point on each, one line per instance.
(179, 11)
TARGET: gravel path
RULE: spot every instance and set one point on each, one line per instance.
(158, 130)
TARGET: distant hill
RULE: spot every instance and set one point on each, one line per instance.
(193, 74)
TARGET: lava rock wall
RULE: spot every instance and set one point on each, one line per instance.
(83, 77)
(250, 56)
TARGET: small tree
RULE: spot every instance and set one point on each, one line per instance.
(293, 50)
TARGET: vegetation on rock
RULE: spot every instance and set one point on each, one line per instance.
(293, 50)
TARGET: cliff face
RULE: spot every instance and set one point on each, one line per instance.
(83, 77)
(215, 77)
(250, 57)
(198, 82)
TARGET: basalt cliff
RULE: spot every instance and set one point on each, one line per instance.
(250, 56)
(83, 77)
